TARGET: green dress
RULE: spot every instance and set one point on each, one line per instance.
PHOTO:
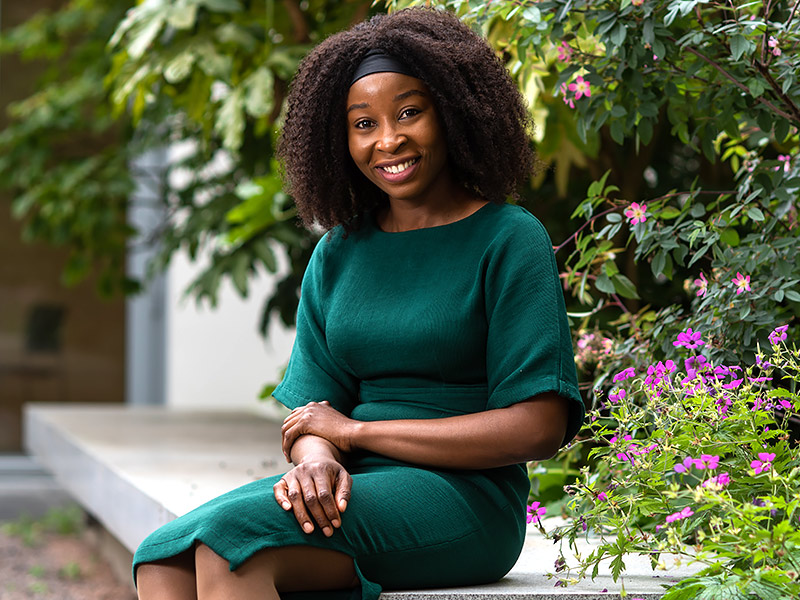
(421, 324)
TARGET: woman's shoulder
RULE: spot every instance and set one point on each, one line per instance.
(515, 224)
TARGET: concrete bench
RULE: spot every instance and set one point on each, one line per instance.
(136, 468)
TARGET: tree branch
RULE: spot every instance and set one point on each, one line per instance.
(739, 84)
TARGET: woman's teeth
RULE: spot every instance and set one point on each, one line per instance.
(399, 168)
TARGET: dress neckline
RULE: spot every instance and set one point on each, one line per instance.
(483, 209)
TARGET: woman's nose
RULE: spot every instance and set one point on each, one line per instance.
(390, 140)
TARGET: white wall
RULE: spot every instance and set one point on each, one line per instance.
(215, 357)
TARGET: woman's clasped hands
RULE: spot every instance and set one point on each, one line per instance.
(318, 488)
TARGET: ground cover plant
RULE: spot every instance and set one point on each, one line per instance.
(698, 459)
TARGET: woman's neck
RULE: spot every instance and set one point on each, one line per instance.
(407, 215)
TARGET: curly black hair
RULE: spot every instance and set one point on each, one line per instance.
(483, 114)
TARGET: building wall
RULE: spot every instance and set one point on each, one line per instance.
(215, 357)
(56, 344)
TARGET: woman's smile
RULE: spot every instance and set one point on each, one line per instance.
(395, 137)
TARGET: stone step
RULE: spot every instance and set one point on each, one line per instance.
(135, 468)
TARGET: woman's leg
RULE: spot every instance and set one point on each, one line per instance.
(273, 570)
(170, 579)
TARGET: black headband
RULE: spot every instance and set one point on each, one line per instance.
(377, 61)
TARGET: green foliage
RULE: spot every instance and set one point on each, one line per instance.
(205, 77)
(698, 463)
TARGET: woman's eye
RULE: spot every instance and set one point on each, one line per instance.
(409, 112)
(362, 124)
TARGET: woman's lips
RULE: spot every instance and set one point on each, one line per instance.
(407, 171)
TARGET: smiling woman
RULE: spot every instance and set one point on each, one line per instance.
(432, 358)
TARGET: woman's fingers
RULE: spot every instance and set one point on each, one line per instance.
(280, 491)
(344, 485)
(313, 503)
(294, 491)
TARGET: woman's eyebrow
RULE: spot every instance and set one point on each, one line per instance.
(405, 95)
(397, 98)
(357, 106)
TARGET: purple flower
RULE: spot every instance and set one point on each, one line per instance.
(778, 335)
(617, 396)
(535, 512)
(706, 461)
(684, 467)
(764, 463)
(690, 339)
(602, 496)
(733, 384)
(785, 404)
(624, 374)
(718, 481)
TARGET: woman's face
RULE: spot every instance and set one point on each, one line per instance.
(395, 137)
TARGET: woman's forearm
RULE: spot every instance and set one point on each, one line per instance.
(531, 430)
(308, 446)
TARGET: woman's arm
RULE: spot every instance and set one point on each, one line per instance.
(317, 489)
(530, 430)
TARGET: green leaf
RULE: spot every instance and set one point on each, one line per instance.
(179, 67)
(258, 92)
(792, 295)
(738, 46)
(624, 286)
(604, 284)
(617, 132)
(230, 120)
(755, 213)
(730, 237)
(240, 272)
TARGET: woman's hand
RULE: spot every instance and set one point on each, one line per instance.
(321, 419)
(319, 489)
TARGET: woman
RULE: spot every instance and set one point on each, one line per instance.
(432, 357)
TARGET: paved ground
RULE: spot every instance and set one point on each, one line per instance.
(25, 488)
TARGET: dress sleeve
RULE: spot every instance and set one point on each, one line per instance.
(313, 375)
(529, 347)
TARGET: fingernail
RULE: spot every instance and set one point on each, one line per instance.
(308, 527)
(342, 505)
(336, 523)
(286, 506)
(327, 531)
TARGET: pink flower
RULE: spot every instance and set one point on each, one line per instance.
(778, 335)
(602, 496)
(617, 396)
(535, 512)
(718, 481)
(786, 160)
(624, 374)
(742, 282)
(785, 404)
(581, 88)
(684, 467)
(689, 339)
(608, 345)
(567, 100)
(637, 3)
(636, 213)
(764, 463)
(706, 461)
(683, 514)
(564, 52)
(774, 46)
(702, 285)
